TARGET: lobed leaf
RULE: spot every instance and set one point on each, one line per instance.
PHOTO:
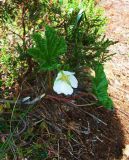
(47, 50)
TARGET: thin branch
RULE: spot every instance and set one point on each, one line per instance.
(21, 102)
(16, 34)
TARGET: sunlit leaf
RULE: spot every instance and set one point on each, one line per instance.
(48, 50)
(100, 87)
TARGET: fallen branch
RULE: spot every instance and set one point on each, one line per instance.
(23, 101)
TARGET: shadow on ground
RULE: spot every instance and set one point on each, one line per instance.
(81, 132)
(69, 129)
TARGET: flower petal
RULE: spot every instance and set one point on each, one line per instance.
(59, 75)
(68, 73)
(62, 87)
(56, 86)
(73, 81)
(68, 90)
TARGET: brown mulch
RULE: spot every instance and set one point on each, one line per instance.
(72, 128)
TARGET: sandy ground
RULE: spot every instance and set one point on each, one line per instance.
(117, 69)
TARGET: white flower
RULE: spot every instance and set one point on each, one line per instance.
(65, 82)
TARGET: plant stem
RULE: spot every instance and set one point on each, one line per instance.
(49, 80)
(23, 26)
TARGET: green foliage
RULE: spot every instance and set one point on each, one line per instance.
(9, 68)
(48, 50)
(100, 87)
(18, 20)
(82, 25)
(84, 29)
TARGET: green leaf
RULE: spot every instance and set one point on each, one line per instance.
(61, 2)
(40, 42)
(36, 53)
(79, 17)
(48, 50)
(100, 86)
(55, 45)
(0, 83)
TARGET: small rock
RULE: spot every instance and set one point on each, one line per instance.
(126, 151)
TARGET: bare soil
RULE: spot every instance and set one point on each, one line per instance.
(117, 69)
